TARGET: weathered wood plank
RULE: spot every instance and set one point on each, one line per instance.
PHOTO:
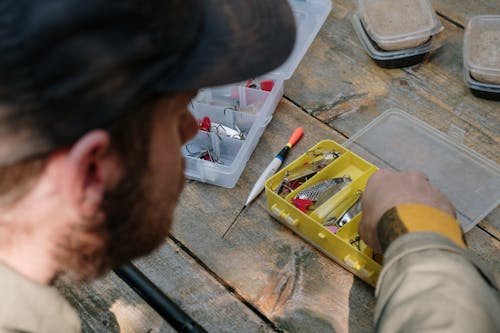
(486, 250)
(199, 293)
(492, 223)
(459, 11)
(339, 84)
(109, 305)
(286, 279)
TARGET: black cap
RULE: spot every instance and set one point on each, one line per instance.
(68, 66)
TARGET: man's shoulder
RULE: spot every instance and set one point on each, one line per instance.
(27, 306)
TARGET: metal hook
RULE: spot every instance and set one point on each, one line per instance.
(230, 108)
(187, 148)
(356, 240)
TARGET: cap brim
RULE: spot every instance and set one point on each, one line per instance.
(237, 40)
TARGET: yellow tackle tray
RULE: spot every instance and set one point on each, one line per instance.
(343, 246)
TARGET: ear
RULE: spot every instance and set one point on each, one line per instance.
(88, 172)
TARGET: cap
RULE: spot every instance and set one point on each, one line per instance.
(68, 66)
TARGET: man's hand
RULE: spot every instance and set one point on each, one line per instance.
(387, 189)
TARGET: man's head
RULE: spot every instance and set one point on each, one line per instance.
(131, 216)
(93, 114)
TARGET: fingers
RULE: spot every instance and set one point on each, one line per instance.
(387, 189)
(368, 233)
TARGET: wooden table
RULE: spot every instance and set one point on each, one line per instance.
(261, 277)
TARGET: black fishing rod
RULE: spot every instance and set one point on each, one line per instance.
(171, 312)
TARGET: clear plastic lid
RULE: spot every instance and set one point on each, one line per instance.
(309, 17)
(398, 141)
(399, 24)
(482, 48)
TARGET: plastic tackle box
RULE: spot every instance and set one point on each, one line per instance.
(394, 140)
(215, 158)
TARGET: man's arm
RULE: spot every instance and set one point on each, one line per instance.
(428, 282)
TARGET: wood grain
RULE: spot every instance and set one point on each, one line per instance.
(109, 305)
(460, 11)
(199, 293)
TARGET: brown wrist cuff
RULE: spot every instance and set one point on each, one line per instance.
(407, 218)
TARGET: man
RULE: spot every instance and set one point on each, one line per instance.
(93, 99)
(92, 106)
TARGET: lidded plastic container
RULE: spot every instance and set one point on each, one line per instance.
(397, 33)
(482, 56)
(238, 114)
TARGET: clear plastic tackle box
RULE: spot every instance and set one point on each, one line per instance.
(394, 140)
(240, 112)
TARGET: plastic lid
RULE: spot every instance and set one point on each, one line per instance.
(309, 17)
(398, 141)
(396, 21)
(482, 45)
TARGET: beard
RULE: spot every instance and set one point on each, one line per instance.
(138, 220)
(137, 214)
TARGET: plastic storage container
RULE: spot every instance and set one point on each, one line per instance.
(397, 33)
(219, 156)
(482, 56)
(394, 140)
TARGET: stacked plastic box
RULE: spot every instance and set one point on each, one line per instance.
(219, 156)
(397, 33)
(482, 56)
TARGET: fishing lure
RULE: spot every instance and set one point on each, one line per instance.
(319, 192)
(352, 208)
(296, 177)
(220, 130)
(206, 154)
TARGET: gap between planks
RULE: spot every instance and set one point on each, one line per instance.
(489, 233)
(227, 286)
(313, 117)
(452, 21)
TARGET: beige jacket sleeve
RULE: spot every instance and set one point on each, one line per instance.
(29, 307)
(429, 284)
